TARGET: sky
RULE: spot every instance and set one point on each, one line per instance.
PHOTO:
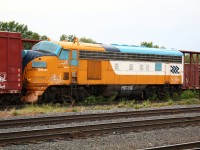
(169, 23)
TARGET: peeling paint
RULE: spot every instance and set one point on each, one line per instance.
(55, 79)
(2, 86)
(3, 77)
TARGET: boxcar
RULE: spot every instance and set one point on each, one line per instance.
(10, 66)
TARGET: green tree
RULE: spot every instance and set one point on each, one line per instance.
(68, 38)
(87, 40)
(13, 26)
(149, 44)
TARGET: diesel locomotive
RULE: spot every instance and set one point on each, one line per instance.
(74, 70)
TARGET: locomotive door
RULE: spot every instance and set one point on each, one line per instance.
(63, 66)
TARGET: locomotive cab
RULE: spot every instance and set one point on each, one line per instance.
(43, 66)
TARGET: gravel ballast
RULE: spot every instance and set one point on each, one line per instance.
(133, 140)
(130, 141)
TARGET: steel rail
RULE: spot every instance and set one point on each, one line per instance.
(92, 130)
(91, 117)
(190, 145)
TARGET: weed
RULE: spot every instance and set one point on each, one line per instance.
(89, 100)
(188, 94)
(146, 103)
(170, 103)
(15, 113)
(112, 98)
(100, 99)
(74, 110)
(167, 97)
(154, 97)
(137, 106)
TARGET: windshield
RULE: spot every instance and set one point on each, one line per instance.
(47, 46)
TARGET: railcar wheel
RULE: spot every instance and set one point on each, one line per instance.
(5, 100)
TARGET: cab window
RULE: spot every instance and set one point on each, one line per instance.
(64, 55)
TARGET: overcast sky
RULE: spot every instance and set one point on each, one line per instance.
(169, 23)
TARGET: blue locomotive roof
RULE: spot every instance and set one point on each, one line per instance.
(145, 50)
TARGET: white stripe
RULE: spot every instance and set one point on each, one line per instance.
(143, 68)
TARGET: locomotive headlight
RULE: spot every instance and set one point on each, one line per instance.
(39, 64)
(28, 79)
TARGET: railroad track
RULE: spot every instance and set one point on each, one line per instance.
(93, 130)
(190, 145)
(92, 117)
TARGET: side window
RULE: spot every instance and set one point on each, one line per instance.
(74, 61)
(116, 66)
(64, 55)
(147, 67)
(158, 67)
(131, 67)
(74, 54)
(141, 67)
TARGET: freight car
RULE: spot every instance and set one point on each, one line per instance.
(63, 70)
(10, 66)
(11, 46)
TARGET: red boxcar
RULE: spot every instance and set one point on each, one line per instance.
(10, 65)
(191, 78)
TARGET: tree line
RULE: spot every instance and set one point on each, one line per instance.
(13, 26)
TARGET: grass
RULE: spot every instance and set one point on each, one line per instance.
(188, 98)
(37, 109)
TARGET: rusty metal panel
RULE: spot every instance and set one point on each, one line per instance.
(93, 70)
(191, 76)
(10, 62)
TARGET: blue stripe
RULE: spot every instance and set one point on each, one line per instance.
(145, 50)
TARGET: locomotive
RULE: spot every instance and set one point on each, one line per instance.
(74, 70)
